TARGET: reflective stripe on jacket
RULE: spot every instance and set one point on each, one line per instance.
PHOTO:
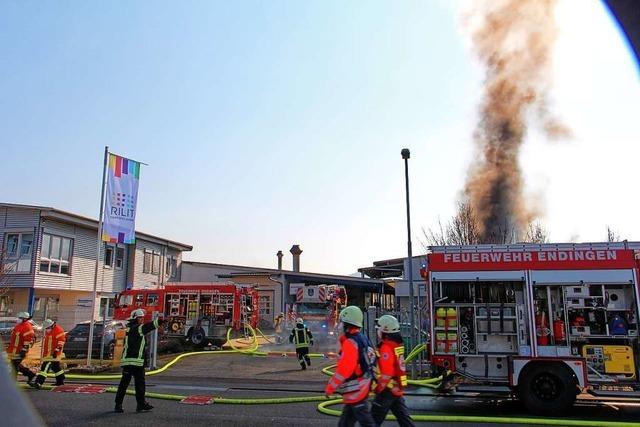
(22, 336)
(349, 379)
(53, 341)
(391, 372)
(134, 343)
(301, 336)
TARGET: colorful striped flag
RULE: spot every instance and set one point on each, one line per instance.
(121, 200)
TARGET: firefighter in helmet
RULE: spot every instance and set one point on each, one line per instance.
(22, 337)
(52, 344)
(302, 337)
(354, 372)
(391, 376)
(133, 359)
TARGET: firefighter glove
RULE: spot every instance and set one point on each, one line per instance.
(23, 353)
(161, 321)
(311, 342)
(55, 353)
(329, 390)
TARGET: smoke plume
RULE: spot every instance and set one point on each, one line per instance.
(514, 43)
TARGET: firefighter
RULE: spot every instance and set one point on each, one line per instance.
(22, 337)
(353, 374)
(391, 376)
(133, 359)
(278, 325)
(302, 337)
(52, 345)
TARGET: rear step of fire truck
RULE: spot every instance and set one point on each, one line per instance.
(615, 393)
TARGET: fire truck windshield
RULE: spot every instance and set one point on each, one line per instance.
(125, 300)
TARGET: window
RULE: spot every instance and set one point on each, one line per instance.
(56, 254)
(113, 256)
(171, 267)
(139, 299)
(156, 263)
(119, 258)
(125, 300)
(148, 258)
(151, 262)
(265, 305)
(108, 255)
(19, 249)
(152, 299)
(106, 306)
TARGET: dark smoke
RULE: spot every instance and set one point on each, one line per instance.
(514, 43)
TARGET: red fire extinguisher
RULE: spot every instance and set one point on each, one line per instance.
(542, 328)
(559, 331)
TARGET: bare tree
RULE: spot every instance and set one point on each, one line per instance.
(463, 229)
(612, 236)
(536, 233)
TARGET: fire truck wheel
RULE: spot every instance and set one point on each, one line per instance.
(547, 388)
(197, 338)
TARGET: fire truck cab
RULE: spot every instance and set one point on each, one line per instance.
(547, 321)
(319, 307)
(218, 306)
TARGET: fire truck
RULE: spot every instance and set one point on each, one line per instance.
(547, 323)
(219, 306)
(319, 307)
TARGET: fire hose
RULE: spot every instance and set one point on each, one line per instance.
(326, 402)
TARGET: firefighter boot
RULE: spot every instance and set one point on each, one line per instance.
(144, 408)
(118, 409)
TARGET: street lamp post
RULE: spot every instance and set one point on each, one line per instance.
(406, 154)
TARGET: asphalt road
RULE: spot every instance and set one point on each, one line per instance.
(246, 376)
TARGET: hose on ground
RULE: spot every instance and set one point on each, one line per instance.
(326, 402)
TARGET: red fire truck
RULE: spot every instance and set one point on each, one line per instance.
(318, 306)
(219, 306)
(543, 322)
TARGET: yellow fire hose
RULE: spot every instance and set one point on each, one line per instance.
(323, 408)
(326, 402)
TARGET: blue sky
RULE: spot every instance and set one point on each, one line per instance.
(267, 124)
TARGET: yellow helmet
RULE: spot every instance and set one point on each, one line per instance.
(352, 315)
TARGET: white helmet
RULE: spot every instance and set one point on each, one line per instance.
(23, 315)
(47, 323)
(137, 313)
(299, 321)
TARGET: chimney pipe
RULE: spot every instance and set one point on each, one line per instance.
(296, 251)
(279, 255)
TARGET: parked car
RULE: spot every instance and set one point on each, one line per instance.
(8, 323)
(77, 344)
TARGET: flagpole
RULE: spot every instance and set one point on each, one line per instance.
(98, 247)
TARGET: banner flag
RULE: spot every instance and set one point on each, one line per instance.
(121, 200)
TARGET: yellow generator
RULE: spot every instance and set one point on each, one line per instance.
(610, 359)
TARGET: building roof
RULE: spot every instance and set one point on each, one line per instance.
(73, 218)
(292, 276)
(386, 268)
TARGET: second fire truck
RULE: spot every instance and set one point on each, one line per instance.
(218, 306)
